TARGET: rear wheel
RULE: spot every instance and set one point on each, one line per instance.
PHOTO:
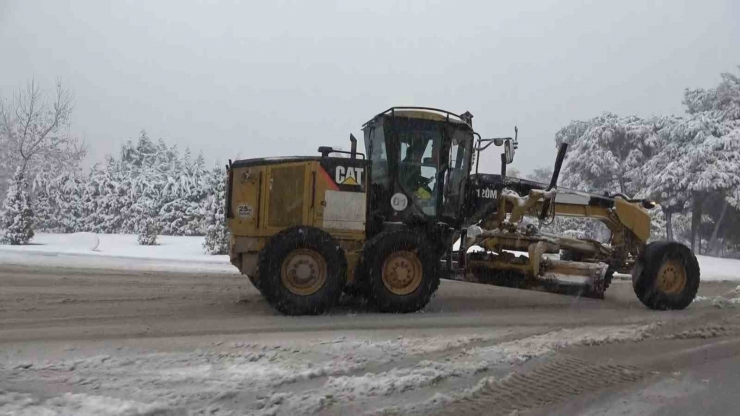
(302, 271)
(666, 276)
(402, 271)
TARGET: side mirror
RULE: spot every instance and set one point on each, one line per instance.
(509, 151)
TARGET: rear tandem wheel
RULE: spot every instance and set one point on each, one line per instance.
(302, 270)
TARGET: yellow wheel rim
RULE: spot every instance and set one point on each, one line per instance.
(402, 272)
(672, 277)
(303, 272)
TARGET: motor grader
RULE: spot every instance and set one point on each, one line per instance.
(389, 223)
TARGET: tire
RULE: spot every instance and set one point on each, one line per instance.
(666, 276)
(302, 271)
(411, 269)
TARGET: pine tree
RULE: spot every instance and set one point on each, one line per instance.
(44, 207)
(180, 212)
(16, 220)
(217, 237)
(147, 228)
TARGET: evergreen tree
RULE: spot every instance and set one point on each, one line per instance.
(217, 237)
(16, 221)
(147, 227)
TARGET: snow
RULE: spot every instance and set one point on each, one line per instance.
(730, 299)
(116, 251)
(121, 251)
(70, 404)
(718, 269)
(470, 361)
(295, 377)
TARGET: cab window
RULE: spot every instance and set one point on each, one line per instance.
(418, 166)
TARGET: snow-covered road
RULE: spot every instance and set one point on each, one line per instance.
(105, 341)
(354, 373)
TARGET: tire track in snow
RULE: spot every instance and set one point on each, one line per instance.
(349, 389)
(546, 385)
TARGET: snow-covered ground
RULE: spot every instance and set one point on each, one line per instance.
(89, 343)
(295, 377)
(121, 251)
(713, 268)
(116, 251)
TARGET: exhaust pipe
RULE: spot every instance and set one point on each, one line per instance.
(353, 149)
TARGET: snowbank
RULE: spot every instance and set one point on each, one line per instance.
(115, 251)
(715, 269)
(121, 251)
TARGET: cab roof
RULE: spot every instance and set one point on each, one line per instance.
(422, 113)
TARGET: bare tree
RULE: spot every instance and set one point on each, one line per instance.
(34, 132)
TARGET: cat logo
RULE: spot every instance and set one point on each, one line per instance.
(349, 176)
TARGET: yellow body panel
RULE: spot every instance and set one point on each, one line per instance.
(634, 218)
(247, 191)
(266, 199)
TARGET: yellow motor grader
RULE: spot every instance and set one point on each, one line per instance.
(389, 223)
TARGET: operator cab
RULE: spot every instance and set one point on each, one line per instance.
(420, 159)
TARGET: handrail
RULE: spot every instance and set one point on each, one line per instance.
(439, 110)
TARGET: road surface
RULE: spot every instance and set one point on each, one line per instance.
(111, 342)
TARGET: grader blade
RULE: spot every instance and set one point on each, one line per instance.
(507, 269)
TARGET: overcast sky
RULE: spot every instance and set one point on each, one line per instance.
(266, 78)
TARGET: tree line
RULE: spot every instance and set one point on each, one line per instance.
(689, 164)
(149, 189)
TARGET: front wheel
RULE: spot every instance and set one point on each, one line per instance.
(402, 271)
(666, 276)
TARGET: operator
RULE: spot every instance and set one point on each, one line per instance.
(411, 176)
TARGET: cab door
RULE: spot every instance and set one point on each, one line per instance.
(457, 174)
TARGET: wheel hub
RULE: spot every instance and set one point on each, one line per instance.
(402, 272)
(303, 272)
(672, 277)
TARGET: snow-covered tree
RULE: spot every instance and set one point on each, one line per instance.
(722, 102)
(513, 172)
(16, 219)
(147, 226)
(605, 151)
(34, 133)
(181, 213)
(542, 175)
(148, 182)
(148, 232)
(217, 236)
(104, 198)
(58, 202)
(714, 156)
